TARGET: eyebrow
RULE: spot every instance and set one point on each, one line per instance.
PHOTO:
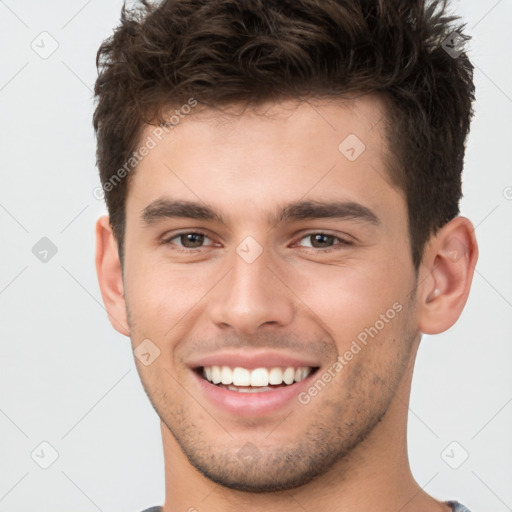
(300, 210)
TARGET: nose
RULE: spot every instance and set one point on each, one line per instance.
(251, 296)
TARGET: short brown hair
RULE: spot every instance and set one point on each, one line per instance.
(221, 52)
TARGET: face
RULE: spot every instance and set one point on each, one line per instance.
(267, 259)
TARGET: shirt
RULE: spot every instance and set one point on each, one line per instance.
(455, 505)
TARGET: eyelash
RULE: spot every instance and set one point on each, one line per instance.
(343, 242)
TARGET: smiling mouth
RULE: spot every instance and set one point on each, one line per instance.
(257, 380)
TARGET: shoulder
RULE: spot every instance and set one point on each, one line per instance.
(457, 507)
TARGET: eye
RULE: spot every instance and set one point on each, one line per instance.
(320, 240)
(188, 240)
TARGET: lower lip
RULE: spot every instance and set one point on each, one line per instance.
(255, 403)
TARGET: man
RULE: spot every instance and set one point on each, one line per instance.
(282, 179)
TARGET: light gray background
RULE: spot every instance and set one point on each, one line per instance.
(69, 379)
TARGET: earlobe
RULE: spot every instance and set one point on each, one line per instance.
(447, 273)
(109, 272)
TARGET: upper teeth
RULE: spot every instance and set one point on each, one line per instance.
(258, 377)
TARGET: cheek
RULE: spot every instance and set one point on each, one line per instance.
(161, 297)
(349, 298)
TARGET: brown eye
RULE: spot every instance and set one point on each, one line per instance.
(188, 240)
(323, 241)
(191, 240)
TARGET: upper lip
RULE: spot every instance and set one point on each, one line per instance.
(252, 360)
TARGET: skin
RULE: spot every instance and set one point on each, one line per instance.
(346, 449)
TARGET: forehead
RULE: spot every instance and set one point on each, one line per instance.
(284, 124)
(270, 154)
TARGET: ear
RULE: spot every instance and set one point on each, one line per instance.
(110, 278)
(446, 275)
